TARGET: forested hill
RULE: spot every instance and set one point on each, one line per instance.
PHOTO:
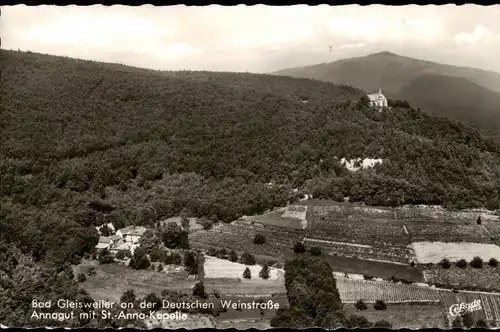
(465, 94)
(83, 143)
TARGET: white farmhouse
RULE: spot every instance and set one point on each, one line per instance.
(131, 234)
(378, 99)
(104, 243)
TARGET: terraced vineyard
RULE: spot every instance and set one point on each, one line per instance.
(362, 232)
(398, 254)
(488, 277)
(369, 291)
(239, 236)
(447, 232)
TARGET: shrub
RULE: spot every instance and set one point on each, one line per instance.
(461, 264)
(264, 273)
(247, 259)
(383, 323)
(299, 248)
(412, 264)
(468, 320)
(128, 297)
(120, 255)
(259, 239)
(445, 263)
(367, 277)
(493, 262)
(316, 251)
(233, 256)
(81, 277)
(247, 274)
(159, 268)
(212, 252)
(177, 259)
(91, 271)
(361, 305)
(476, 262)
(105, 257)
(380, 305)
(457, 323)
(356, 321)
(481, 323)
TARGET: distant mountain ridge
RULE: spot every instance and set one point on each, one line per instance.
(400, 77)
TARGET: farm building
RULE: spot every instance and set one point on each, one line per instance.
(378, 99)
(125, 239)
(131, 234)
(104, 243)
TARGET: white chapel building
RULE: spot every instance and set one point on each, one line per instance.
(378, 99)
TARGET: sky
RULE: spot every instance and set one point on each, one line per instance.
(257, 38)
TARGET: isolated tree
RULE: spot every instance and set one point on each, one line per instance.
(380, 305)
(247, 274)
(461, 264)
(445, 263)
(478, 220)
(299, 248)
(140, 260)
(233, 256)
(493, 262)
(185, 223)
(199, 290)
(190, 262)
(476, 262)
(259, 239)
(205, 223)
(264, 273)
(361, 305)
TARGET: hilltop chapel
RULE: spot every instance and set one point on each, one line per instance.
(378, 99)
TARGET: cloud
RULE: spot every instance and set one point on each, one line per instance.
(356, 45)
(479, 35)
(250, 38)
(375, 29)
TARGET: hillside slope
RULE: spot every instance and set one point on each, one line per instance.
(84, 143)
(400, 77)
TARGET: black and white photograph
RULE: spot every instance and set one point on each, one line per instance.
(250, 166)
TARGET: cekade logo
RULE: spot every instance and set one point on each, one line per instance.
(463, 308)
